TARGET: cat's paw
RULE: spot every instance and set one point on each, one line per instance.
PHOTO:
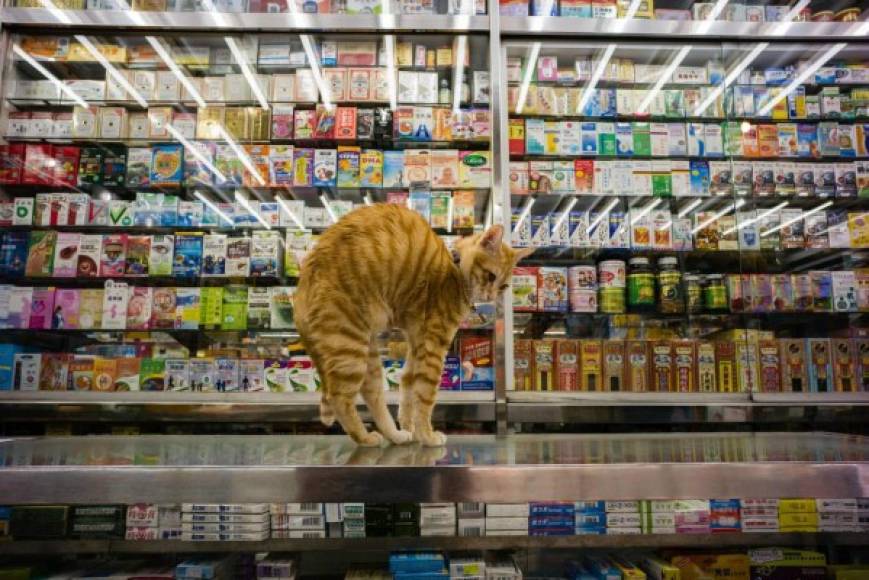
(433, 439)
(401, 437)
(373, 439)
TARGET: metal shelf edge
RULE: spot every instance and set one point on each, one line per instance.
(284, 22)
(190, 398)
(626, 399)
(577, 27)
(461, 543)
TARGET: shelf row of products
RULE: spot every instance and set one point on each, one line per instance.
(232, 165)
(613, 287)
(689, 178)
(407, 124)
(730, 362)
(258, 522)
(351, 7)
(711, 73)
(529, 137)
(158, 368)
(720, 230)
(188, 255)
(740, 101)
(436, 565)
(700, 11)
(200, 54)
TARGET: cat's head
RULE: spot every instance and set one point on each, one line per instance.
(487, 263)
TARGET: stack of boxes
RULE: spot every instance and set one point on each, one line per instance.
(98, 521)
(589, 517)
(691, 516)
(405, 520)
(42, 522)
(797, 515)
(234, 522)
(759, 515)
(334, 520)
(837, 515)
(354, 520)
(471, 519)
(149, 521)
(551, 519)
(208, 568)
(297, 520)
(863, 514)
(724, 516)
(272, 568)
(623, 517)
(437, 519)
(658, 517)
(418, 566)
(378, 520)
(507, 519)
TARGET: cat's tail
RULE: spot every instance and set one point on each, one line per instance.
(327, 415)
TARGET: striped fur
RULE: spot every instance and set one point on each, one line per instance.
(378, 268)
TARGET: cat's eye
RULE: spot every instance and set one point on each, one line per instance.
(492, 278)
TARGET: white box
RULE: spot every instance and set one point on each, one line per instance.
(472, 527)
(507, 510)
(506, 523)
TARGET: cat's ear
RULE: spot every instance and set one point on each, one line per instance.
(521, 253)
(491, 239)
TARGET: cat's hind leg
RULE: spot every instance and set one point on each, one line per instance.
(344, 372)
(372, 392)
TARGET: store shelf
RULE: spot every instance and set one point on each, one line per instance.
(669, 29)
(208, 21)
(627, 399)
(819, 399)
(716, 541)
(214, 468)
(260, 407)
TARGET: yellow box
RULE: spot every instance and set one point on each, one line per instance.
(628, 570)
(802, 505)
(660, 569)
(791, 557)
(797, 519)
(712, 566)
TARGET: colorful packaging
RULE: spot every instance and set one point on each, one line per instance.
(567, 365)
(614, 363)
(476, 355)
(844, 355)
(591, 365)
(820, 365)
(523, 364)
(725, 358)
(545, 377)
(639, 364)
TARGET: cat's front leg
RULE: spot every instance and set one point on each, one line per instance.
(428, 364)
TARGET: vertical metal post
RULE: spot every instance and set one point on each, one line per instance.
(500, 200)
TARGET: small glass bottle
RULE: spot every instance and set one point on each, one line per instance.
(670, 298)
(715, 294)
(693, 293)
(445, 93)
(641, 285)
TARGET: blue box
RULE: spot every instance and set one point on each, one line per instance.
(576, 571)
(550, 521)
(589, 506)
(590, 519)
(723, 504)
(551, 509)
(589, 531)
(553, 531)
(411, 562)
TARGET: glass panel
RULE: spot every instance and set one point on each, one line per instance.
(639, 174)
(172, 185)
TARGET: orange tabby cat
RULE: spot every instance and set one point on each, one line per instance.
(383, 267)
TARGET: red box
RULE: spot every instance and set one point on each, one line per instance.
(11, 162)
(65, 165)
(36, 165)
(685, 363)
(523, 365)
(345, 123)
(517, 136)
(770, 366)
(567, 364)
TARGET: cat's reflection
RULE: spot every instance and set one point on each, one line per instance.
(414, 454)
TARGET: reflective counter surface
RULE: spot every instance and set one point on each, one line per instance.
(470, 468)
